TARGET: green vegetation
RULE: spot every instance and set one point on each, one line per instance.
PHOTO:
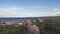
(8, 29)
(53, 27)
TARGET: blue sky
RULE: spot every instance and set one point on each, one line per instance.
(29, 8)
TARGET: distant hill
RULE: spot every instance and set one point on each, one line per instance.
(49, 17)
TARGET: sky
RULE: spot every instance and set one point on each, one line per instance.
(29, 8)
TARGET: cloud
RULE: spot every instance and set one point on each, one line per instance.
(10, 9)
(24, 12)
(56, 13)
(56, 9)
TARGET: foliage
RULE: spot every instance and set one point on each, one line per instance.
(54, 22)
(8, 29)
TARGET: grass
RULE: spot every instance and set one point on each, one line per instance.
(8, 29)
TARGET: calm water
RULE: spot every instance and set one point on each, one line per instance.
(14, 19)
